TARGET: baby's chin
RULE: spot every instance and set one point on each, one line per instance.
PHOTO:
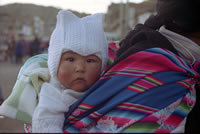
(79, 87)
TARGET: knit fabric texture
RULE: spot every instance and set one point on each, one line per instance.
(84, 36)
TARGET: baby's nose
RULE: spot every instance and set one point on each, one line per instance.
(80, 67)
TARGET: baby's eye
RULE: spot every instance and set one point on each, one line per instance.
(91, 60)
(69, 59)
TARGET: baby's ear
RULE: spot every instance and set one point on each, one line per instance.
(97, 19)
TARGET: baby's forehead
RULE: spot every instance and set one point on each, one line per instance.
(72, 53)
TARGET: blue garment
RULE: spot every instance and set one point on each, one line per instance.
(19, 49)
(1, 95)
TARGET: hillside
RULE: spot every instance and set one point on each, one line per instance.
(14, 16)
(24, 10)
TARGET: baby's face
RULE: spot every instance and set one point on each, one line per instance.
(78, 72)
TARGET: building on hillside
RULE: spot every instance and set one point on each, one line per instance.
(122, 17)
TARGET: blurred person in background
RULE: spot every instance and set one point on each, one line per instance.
(11, 50)
(19, 52)
(1, 96)
(35, 46)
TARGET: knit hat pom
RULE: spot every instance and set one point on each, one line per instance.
(84, 36)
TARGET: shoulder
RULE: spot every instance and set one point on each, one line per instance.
(141, 38)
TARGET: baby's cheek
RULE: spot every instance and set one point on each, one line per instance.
(64, 78)
(93, 77)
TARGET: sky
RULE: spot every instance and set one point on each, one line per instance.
(87, 6)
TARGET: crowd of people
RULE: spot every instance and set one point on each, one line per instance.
(14, 51)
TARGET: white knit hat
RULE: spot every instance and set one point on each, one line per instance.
(84, 36)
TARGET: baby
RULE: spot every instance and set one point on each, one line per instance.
(77, 56)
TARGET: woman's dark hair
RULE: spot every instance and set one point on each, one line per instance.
(181, 15)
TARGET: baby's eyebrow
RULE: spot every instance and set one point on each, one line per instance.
(93, 56)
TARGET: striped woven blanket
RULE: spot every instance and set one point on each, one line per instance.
(149, 91)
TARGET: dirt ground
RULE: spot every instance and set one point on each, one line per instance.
(8, 75)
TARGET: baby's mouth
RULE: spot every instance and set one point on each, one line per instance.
(79, 79)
